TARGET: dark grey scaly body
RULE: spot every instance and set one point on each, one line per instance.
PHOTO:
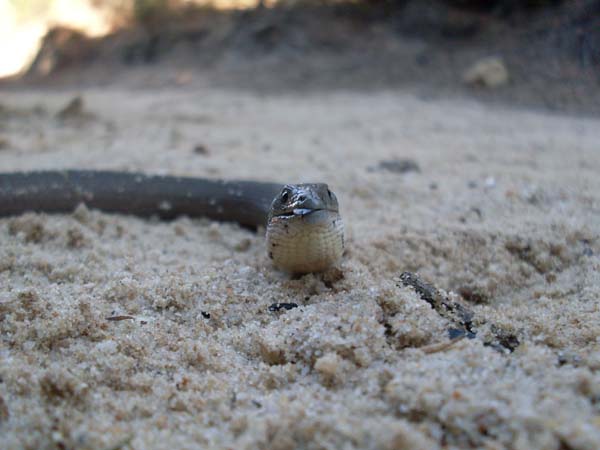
(304, 231)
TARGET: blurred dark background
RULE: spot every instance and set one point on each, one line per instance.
(538, 53)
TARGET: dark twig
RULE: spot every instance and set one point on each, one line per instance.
(119, 318)
(459, 315)
(450, 309)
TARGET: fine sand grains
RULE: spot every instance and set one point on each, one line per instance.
(117, 331)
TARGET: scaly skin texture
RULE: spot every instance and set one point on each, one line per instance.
(305, 232)
(304, 228)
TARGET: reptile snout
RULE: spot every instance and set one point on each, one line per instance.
(305, 232)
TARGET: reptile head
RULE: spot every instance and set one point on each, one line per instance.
(305, 231)
(303, 199)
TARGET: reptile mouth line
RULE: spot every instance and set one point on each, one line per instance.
(303, 212)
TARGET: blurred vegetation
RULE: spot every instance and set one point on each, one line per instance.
(152, 14)
(147, 11)
(491, 4)
(144, 10)
(503, 6)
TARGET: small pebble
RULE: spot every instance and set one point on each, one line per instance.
(279, 306)
(201, 149)
(490, 182)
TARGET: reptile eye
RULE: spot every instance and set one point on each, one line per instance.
(285, 196)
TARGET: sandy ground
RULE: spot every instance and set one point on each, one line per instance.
(505, 210)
